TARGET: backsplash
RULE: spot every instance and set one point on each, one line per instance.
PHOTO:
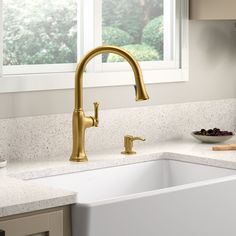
(49, 137)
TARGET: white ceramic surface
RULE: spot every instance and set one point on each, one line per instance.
(144, 198)
(114, 182)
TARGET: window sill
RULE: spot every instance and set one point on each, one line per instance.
(38, 82)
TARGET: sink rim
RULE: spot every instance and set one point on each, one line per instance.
(150, 193)
(123, 161)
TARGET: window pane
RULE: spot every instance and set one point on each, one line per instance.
(135, 25)
(39, 32)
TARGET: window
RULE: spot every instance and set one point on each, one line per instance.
(43, 40)
(42, 32)
(135, 25)
(143, 27)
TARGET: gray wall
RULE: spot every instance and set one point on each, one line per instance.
(212, 76)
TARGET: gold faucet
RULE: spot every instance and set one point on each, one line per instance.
(128, 144)
(80, 121)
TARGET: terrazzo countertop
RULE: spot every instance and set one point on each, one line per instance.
(19, 195)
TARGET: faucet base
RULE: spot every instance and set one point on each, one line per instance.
(128, 153)
(81, 158)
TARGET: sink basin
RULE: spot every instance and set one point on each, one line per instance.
(107, 183)
(161, 197)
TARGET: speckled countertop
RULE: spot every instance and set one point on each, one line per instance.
(18, 195)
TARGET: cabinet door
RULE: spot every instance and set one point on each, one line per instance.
(212, 9)
(46, 224)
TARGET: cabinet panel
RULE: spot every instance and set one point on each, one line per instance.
(47, 224)
(212, 9)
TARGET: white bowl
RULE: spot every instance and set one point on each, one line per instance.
(211, 139)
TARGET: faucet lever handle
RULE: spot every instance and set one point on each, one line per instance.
(96, 119)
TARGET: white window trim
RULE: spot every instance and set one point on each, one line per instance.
(37, 69)
(50, 81)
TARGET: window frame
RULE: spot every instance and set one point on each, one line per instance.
(64, 79)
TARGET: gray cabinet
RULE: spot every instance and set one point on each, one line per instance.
(52, 223)
(212, 9)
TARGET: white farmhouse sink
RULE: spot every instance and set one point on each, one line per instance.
(162, 197)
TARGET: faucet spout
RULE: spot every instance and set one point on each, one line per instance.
(141, 93)
(80, 121)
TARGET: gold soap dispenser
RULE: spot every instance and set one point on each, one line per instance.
(128, 144)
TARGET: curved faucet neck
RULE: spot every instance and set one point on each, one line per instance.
(141, 93)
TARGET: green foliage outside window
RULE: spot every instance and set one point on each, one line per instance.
(39, 32)
(140, 19)
(116, 36)
(45, 31)
(153, 34)
(141, 52)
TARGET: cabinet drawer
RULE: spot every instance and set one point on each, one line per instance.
(46, 224)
